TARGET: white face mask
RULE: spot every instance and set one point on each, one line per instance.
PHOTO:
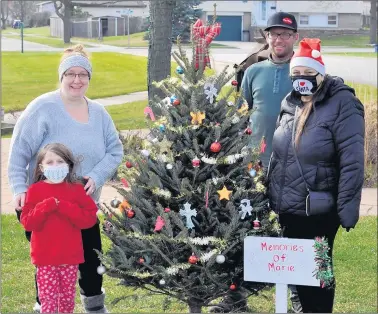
(56, 174)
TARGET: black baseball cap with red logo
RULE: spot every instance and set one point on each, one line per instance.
(282, 19)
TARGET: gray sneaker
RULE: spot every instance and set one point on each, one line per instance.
(296, 306)
(37, 308)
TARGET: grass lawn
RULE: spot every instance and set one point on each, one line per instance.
(48, 41)
(28, 75)
(354, 54)
(346, 41)
(43, 31)
(366, 93)
(355, 269)
(129, 116)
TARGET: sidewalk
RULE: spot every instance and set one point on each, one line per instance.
(368, 202)
(108, 101)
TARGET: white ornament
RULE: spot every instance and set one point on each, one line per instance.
(162, 282)
(235, 120)
(230, 103)
(169, 166)
(101, 270)
(167, 102)
(188, 213)
(246, 208)
(315, 53)
(215, 181)
(210, 92)
(145, 152)
(220, 259)
(163, 158)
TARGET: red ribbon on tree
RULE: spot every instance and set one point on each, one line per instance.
(203, 35)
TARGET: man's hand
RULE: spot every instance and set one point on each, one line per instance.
(19, 201)
(90, 187)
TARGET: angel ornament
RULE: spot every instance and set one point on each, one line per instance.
(246, 208)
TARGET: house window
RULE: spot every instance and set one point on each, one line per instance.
(303, 19)
(263, 10)
(332, 19)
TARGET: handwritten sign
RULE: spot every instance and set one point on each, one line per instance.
(280, 260)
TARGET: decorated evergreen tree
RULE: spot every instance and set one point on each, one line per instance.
(195, 190)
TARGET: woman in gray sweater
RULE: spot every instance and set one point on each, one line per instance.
(66, 116)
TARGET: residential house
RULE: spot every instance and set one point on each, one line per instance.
(46, 6)
(241, 19)
(235, 17)
(103, 8)
(106, 18)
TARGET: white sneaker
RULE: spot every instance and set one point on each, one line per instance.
(37, 307)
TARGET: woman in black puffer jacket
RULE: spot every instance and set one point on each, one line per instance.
(329, 144)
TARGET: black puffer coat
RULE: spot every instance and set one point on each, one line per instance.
(331, 153)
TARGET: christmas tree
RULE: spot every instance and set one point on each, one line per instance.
(195, 190)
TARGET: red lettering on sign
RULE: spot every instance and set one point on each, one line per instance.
(274, 267)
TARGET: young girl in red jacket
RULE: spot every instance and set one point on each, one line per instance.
(56, 209)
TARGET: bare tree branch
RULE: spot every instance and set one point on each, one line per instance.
(58, 7)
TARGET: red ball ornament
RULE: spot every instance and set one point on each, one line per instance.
(129, 164)
(196, 162)
(176, 102)
(248, 131)
(256, 224)
(233, 287)
(141, 260)
(193, 259)
(215, 147)
(167, 210)
(234, 83)
(130, 213)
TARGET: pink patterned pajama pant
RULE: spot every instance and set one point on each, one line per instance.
(56, 288)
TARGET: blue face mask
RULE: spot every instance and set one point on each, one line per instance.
(56, 174)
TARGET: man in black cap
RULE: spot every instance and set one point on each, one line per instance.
(264, 86)
(266, 83)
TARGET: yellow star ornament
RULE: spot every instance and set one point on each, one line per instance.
(243, 110)
(224, 193)
(197, 117)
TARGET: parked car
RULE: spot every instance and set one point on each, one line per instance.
(16, 24)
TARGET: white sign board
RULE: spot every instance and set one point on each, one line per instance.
(280, 260)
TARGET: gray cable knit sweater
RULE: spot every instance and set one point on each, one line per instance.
(96, 143)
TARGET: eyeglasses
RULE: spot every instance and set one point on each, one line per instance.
(284, 36)
(72, 76)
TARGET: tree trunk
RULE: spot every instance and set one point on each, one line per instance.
(160, 44)
(67, 28)
(373, 22)
(3, 17)
(195, 306)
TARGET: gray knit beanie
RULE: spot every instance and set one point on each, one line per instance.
(77, 60)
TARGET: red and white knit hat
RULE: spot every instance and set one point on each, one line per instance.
(308, 55)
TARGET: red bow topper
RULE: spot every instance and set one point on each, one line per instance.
(203, 35)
